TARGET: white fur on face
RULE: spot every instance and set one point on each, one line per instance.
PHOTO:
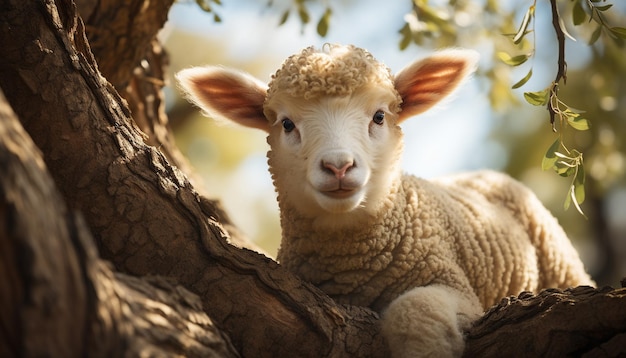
(337, 162)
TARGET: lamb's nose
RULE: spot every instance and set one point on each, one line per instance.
(340, 173)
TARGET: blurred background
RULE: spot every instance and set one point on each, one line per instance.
(486, 125)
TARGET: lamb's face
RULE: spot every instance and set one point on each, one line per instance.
(334, 154)
(332, 116)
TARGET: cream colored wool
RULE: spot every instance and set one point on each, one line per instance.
(480, 233)
(431, 256)
(336, 71)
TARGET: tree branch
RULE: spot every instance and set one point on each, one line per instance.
(140, 77)
(58, 299)
(581, 321)
(561, 72)
(131, 25)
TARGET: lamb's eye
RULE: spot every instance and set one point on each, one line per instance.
(379, 117)
(288, 125)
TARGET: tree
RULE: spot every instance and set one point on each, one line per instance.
(80, 185)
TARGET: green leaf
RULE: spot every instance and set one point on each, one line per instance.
(525, 22)
(304, 15)
(284, 17)
(322, 25)
(574, 110)
(568, 198)
(550, 158)
(539, 98)
(577, 122)
(577, 204)
(579, 185)
(204, 5)
(512, 61)
(406, 37)
(564, 168)
(619, 31)
(579, 14)
(595, 35)
(523, 81)
(576, 192)
(604, 7)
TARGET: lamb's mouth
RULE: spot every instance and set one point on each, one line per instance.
(339, 193)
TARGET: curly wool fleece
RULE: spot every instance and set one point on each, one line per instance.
(335, 71)
(431, 232)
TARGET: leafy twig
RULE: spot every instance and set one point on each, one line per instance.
(565, 162)
(561, 72)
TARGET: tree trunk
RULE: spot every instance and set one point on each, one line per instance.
(147, 220)
(59, 299)
(135, 64)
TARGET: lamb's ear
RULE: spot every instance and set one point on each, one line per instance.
(425, 82)
(226, 94)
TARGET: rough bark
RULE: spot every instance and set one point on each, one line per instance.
(135, 64)
(121, 33)
(139, 77)
(582, 321)
(58, 299)
(147, 219)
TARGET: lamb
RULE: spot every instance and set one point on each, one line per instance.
(430, 255)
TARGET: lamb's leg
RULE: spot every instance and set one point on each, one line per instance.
(429, 322)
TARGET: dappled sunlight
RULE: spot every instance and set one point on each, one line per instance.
(464, 134)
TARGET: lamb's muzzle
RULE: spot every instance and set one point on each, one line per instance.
(338, 170)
